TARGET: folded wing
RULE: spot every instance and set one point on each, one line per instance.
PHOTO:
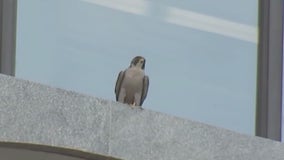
(118, 84)
(145, 89)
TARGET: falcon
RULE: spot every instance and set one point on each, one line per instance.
(132, 84)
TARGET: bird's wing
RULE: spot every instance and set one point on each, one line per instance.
(145, 89)
(118, 84)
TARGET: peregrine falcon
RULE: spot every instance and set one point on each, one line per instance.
(132, 84)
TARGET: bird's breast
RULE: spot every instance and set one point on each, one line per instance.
(134, 73)
(133, 78)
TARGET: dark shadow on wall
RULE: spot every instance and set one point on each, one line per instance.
(15, 151)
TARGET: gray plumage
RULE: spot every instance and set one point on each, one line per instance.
(132, 84)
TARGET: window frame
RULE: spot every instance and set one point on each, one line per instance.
(269, 70)
(8, 20)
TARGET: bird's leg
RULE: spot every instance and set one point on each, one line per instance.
(132, 105)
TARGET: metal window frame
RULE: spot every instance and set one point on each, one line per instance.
(269, 74)
(8, 20)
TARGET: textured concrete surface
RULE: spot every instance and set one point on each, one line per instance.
(34, 113)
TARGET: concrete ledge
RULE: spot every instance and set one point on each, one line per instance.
(38, 114)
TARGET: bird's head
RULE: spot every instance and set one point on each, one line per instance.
(138, 61)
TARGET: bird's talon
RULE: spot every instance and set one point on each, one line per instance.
(132, 106)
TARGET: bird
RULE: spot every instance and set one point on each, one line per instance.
(132, 84)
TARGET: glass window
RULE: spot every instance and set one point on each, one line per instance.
(201, 55)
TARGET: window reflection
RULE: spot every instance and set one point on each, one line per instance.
(201, 67)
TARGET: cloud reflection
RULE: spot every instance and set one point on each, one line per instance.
(186, 18)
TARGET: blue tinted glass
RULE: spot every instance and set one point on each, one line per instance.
(201, 55)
